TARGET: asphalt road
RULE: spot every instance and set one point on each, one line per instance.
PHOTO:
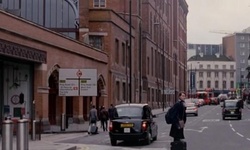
(207, 131)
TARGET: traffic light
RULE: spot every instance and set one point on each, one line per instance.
(21, 98)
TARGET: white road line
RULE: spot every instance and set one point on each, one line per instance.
(231, 125)
(240, 134)
(248, 139)
(233, 129)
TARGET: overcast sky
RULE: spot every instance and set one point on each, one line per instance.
(215, 15)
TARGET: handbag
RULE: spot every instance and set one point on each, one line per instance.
(181, 123)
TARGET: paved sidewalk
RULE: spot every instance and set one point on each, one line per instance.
(50, 141)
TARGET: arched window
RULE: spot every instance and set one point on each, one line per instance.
(58, 15)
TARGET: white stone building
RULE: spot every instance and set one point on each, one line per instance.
(211, 72)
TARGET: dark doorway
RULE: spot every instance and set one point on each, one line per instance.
(69, 109)
(53, 93)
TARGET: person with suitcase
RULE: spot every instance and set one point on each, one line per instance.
(93, 129)
(177, 127)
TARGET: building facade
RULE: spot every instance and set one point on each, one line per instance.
(237, 47)
(215, 73)
(206, 49)
(138, 57)
(164, 41)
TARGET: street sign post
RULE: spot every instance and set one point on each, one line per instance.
(77, 82)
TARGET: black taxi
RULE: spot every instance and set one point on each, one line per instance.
(133, 122)
(232, 108)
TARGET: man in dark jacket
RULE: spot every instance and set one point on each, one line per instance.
(177, 128)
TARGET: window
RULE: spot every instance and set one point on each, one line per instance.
(224, 74)
(208, 84)
(231, 66)
(117, 91)
(242, 53)
(95, 41)
(232, 84)
(208, 66)
(242, 45)
(200, 74)
(152, 61)
(217, 84)
(242, 61)
(224, 85)
(123, 54)
(201, 85)
(200, 66)
(208, 74)
(231, 74)
(124, 91)
(216, 74)
(153, 95)
(117, 51)
(148, 65)
(242, 37)
(224, 67)
(100, 3)
(216, 66)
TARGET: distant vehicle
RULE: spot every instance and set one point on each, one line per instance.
(193, 100)
(134, 122)
(191, 108)
(222, 97)
(231, 108)
(205, 96)
(214, 101)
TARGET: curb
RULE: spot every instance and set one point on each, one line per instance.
(72, 148)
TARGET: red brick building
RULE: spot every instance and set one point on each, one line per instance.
(95, 34)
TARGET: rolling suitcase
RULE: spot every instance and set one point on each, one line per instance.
(178, 145)
(93, 129)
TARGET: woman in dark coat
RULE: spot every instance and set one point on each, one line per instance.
(176, 131)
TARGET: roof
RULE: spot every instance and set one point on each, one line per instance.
(132, 104)
(209, 58)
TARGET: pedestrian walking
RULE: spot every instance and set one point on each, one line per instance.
(93, 115)
(112, 112)
(177, 127)
(93, 118)
(104, 117)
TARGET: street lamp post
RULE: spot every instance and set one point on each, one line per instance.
(130, 51)
(163, 73)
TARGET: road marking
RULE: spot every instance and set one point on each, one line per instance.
(202, 129)
(239, 134)
(233, 129)
(210, 120)
(248, 139)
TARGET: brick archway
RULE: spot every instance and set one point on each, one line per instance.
(53, 94)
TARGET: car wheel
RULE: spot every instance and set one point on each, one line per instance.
(239, 118)
(148, 138)
(196, 114)
(223, 118)
(155, 138)
(113, 142)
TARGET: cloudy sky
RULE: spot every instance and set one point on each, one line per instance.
(208, 16)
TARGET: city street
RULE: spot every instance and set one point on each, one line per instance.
(207, 131)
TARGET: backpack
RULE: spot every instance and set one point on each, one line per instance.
(171, 115)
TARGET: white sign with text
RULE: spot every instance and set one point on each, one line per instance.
(77, 82)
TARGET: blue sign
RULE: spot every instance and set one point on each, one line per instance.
(192, 80)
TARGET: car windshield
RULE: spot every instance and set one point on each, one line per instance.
(129, 111)
(231, 104)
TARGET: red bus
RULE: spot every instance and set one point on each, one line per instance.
(205, 96)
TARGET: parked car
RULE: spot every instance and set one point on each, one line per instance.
(231, 108)
(134, 122)
(191, 108)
